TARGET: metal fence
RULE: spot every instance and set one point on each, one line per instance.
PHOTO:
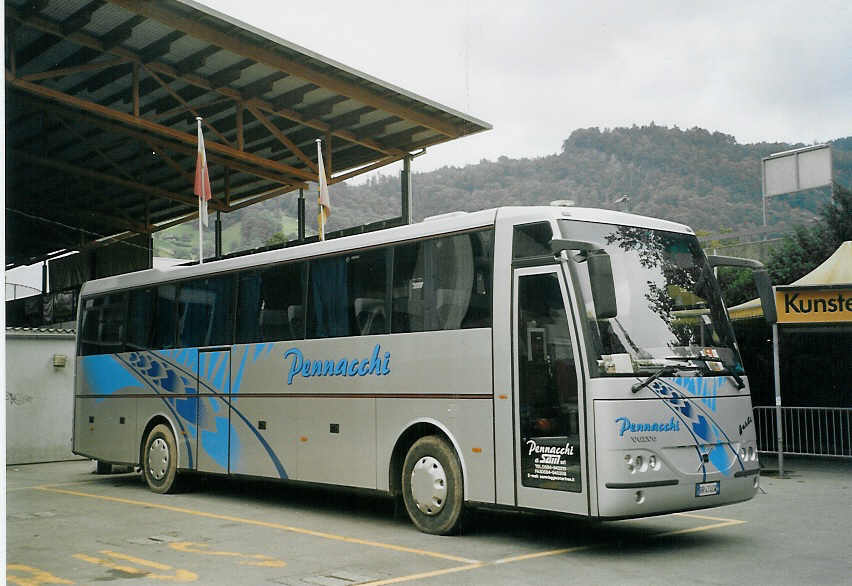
(807, 431)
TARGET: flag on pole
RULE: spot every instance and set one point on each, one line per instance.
(324, 202)
(202, 178)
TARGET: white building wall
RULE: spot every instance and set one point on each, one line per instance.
(39, 395)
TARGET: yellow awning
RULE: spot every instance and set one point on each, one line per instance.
(835, 270)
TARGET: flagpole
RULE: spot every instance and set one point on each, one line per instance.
(200, 236)
(321, 193)
(200, 227)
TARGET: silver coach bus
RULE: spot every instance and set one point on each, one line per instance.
(571, 360)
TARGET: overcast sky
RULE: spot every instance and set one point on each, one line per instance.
(538, 70)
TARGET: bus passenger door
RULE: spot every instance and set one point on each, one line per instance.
(550, 446)
(214, 426)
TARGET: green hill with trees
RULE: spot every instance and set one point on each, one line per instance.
(701, 178)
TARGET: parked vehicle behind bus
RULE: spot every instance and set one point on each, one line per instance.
(571, 360)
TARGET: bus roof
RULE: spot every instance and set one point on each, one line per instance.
(431, 226)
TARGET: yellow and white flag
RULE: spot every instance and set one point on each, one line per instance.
(324, 202)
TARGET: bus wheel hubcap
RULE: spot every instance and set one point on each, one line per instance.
(158, 458)
(429, 485)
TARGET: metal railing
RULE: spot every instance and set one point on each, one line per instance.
(806, 431)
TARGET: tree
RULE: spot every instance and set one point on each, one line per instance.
(808, 247)
(256, 230)
(799, 253)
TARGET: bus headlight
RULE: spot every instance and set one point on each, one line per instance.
(642, 462)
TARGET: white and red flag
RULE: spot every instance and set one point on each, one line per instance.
(324, 201)
(202, 178)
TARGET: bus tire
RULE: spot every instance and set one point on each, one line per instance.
(159, 460)
(432, 486)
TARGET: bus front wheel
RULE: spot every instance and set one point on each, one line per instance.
(432, 486)
(159, 460)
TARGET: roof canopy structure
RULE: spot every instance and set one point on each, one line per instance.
(101, 101)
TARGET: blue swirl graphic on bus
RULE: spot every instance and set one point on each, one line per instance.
(699, 421)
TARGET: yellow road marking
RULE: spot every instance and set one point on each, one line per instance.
(77, 482)
(35, 577)
(255, 559)
(706, 517)
(541, 554)
(259, 523)
(179, 575)
(726, 523)
(421, 575)
(135, 560)
(109, 564)
(469, 563)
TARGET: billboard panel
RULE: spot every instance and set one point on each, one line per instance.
(797, 170)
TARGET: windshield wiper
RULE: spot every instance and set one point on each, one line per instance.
(664, 371)
(705, 359)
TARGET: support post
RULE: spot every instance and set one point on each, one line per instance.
(44, 277)
(218, 251)
(405, 177)
(150, 240)
(135, 89)
(301, 215)
(779, 429)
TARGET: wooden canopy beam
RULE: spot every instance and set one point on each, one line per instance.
(168, 145)
(141, 123)
(276, 132)
(91, 42)
(79, 171)
(186, 106)
(236, 45)
(50, 74)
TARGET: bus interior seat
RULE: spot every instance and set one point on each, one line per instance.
(370, 315)
(273, 323)
(296, 320)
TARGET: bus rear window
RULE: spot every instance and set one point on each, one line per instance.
(102, 326)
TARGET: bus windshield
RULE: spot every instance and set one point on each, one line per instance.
(670, 311)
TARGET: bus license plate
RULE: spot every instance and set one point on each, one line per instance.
(707, 488)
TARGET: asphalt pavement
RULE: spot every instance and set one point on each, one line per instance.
(67, 525)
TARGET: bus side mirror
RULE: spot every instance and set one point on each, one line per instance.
(761, 280)
(767, 299)
(600, 273)
(603, 285)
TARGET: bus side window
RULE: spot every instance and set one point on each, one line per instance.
(407, 293)
(479, 309)
(204, 308)
(327, 298)
(367, 292)
(103, 327)
(140, 319)
(443, 283)
(165, 317)
(532, 240)
(282, 315)
(248, 307)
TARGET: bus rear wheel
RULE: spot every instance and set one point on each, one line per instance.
(159, 460)
(432, 486)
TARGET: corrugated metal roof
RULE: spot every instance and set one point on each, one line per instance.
(87, 158)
